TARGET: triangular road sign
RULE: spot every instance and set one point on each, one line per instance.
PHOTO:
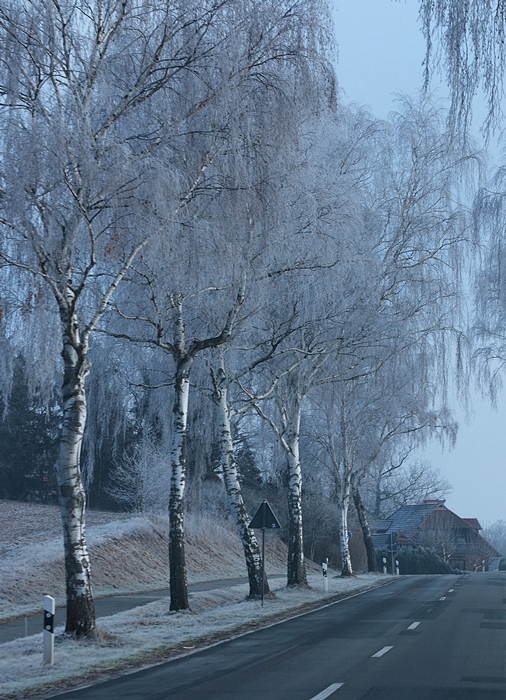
(264, 517)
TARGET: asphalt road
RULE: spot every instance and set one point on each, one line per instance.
(32, 624)
(368, 647)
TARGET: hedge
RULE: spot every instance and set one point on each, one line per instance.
(416, 560)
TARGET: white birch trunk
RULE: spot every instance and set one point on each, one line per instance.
(343, 504)
(177, 563)
(344, 495)
(296, 574)
(72, 498)
(233, 488)
(184, 361)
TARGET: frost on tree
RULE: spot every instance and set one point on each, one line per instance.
(85, 108)
(210, 237)
(468, 39)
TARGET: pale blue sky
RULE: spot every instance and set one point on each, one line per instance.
(381, 50)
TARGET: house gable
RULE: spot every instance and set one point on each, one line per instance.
(432, 524)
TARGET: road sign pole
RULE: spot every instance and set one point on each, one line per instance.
(263, 564)
(49, 609)
(263, 518)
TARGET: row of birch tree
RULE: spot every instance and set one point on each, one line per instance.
(187, 207)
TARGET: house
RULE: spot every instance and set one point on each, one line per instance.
(431, 524)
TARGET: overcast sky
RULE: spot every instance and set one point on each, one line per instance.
(381, 50)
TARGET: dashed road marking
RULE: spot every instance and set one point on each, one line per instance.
(451, 590)
(443, 597)
(381, 652)
(328, 691)
(413, 625)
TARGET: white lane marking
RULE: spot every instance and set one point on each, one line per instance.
(451, 590)
(443, 597)
(328, 691)
(381, 652)
(413, 625)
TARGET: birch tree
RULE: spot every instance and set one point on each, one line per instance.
(161, 324)
(489, 351)
(341, 429)
(78, 86)
(285, 422)
(273, 53)
(323, 228)
(467, 39)
(249, 542)
(416, 235)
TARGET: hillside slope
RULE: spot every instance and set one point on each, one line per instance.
(128, 554)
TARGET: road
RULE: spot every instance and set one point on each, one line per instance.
(420, 638)
(32, 624)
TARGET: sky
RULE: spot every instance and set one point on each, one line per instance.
(381, 50)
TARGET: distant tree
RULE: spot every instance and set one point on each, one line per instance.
(441, 534)
(321, 529)
(29, 432)
(393, 483)
(495, 534)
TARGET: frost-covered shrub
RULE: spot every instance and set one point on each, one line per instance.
(213, 500)
(141, 481)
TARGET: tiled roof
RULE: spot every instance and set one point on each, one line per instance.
(408, 519)
(473, 522)
(380, 525)
(380, 540)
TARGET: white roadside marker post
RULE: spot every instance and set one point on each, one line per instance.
(396, 568)
(384, 565)
(49, 609)
(325, 565)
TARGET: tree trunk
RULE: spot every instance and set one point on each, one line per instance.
(372, 565)
(343, 502)
(71, 495)
(344, 494)
(234, 492)
(177, 564)
(296, 575)
(377, 497)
